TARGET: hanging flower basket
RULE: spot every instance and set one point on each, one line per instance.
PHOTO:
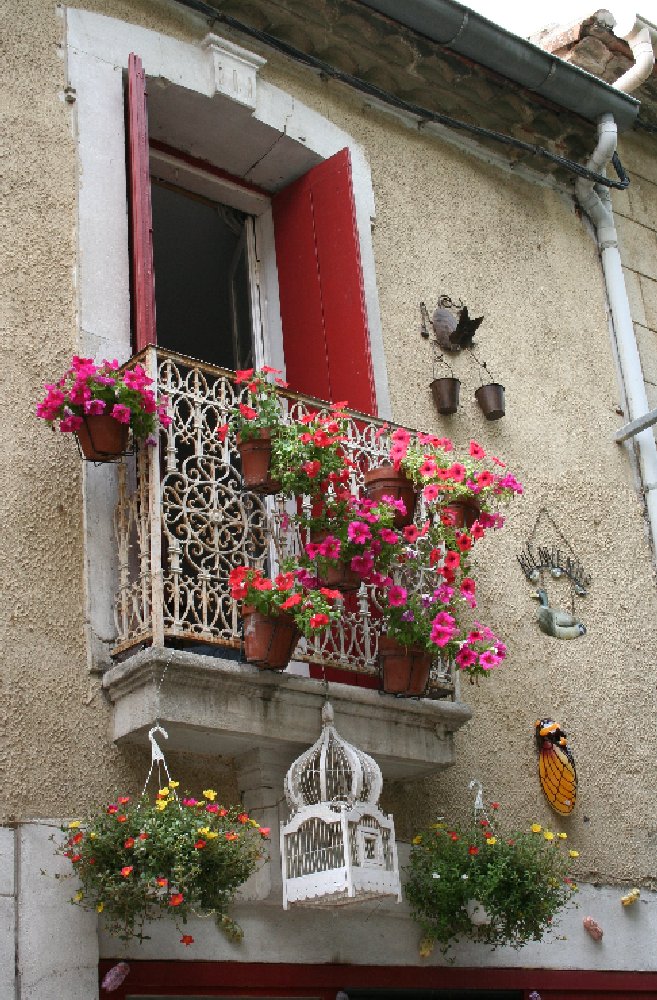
(101, 404)
(446, 395)
(404, 669)
(498, 888)
(102, 438)
(385, 480)
(255, 456)
(140, 860)
(269, 640)
(491, 400)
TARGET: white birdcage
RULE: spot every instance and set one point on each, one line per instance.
(338, 847)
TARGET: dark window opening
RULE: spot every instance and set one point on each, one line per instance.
(202, 292)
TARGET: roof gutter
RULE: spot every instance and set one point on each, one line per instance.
(475, 37)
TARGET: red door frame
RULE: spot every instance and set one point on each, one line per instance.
(217, 979)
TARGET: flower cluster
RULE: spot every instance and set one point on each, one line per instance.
(176, 857)
(358, 532)
(88, 389)
(313, 609)
(306, 453)
(260, 407)
(429, 462)
(520, 880)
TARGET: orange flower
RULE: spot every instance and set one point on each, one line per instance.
(127, 870)
(265, 831)
(112, 809)
(130, 842)
(473, 850)
(77, 838)
(187, 939)
(121, 819)
(176, 899)
(162, 882)
(143, 835)
(243, 817)
(231, 836)
(200, 844)
(124, 799)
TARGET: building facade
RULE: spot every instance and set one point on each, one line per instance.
(244, 114)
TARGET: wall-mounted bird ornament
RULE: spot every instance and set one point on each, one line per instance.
(554, 621)
(452, 326)
(556, 766)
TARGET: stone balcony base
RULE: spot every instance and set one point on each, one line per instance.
(217, 706)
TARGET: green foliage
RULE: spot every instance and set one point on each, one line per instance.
(521, 880)
(137, 861)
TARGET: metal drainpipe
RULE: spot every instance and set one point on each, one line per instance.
(596, 202)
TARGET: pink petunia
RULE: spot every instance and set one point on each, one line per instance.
(465, 658)
(358, 532)
(430, 492)
(489, 660)
(457, 472)
(428, 468)
(121, 413)
(330, 547)
(476, 451)
(363, 565)
(389, 536)
(397, 596)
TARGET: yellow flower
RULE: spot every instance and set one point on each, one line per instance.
(163, 792)
(78, 896)
(426, 947)
(548, 835)
(573, 854)
(491, 840)
(536, 827)
(100, 907)
(92, 835)
(438, 826)
(173, 784)
(74, 825)
(563, 836)
(212, 835)
(210, 794)
(161, 804)
(417, 840)
(205, 830)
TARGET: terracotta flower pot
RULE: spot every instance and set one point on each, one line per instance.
(491, 400)
(102, 438)
(404, 669)
(338, 575)
(464, 512)
(386, 481)
(446, 395)
(255, 456)
(269, 641)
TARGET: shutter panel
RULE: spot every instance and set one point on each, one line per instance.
(325, 333)
(141, 219)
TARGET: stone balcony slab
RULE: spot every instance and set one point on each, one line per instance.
(211, 705)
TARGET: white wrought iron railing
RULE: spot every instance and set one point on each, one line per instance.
(184, 520)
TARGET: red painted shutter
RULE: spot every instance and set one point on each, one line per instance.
(141, 219)
(325, 334)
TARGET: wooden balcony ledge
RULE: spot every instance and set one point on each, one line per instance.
(211, 705)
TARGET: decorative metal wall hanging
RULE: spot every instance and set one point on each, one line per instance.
(453, 332)
(559, 561)
(337, 847)
(556, 766)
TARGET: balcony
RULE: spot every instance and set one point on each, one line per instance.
(183, 521)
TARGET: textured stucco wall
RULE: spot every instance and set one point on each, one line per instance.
(446, 223)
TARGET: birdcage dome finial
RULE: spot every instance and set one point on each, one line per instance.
(332, 771)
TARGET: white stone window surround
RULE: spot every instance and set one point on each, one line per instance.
(225, 75)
